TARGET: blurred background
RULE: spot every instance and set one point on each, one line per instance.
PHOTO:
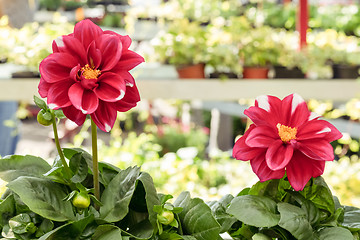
(186, 144)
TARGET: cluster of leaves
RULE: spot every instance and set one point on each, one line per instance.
(36, 204)
(279, 212)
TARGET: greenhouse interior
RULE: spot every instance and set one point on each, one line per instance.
(180, 119)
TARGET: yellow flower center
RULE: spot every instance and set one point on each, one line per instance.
(286, 133)
(90, 73)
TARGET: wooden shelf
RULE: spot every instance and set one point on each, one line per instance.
(211, 90)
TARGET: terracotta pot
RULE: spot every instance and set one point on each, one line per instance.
(192, 71)
(255, 72)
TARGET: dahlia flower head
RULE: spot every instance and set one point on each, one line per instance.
(286, 137)
(88, 74)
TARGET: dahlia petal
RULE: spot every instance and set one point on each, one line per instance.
(125, 40)
(299, 115)
(129, 101)
(54, 46)
(83, 99)
(74, 115)
(129, 79)
(110, 47)
(313, 129)
(278, 155)
(301, 168)
(90, 102)
(317, 149)
(241, 151)
(52, 71)
(263, 102)
(94, 56)
(86, 31)
(129, 60)
(264, 173)
(58, 94)
(261, 117)
(111, 87)
(334, 134)
(43, 88)
(73, 47)
(105, 115)
(261, 136)
(76, 92)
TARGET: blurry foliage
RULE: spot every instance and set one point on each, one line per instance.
(32, 43)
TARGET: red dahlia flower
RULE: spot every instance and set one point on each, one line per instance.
(286, 136)
(88, 73)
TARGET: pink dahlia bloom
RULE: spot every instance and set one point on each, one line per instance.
(286, 137)
(88, 73)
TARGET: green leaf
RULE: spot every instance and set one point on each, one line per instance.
(151, 196)
(40, 103)
(79, 167)
(312, 212)
(19, 222)
(72, 230)
(219, 211)
(319, 193)
(45, 226)
(7, 210)
(294, 219)
(43, 197)
(107, 232)
(187, 237)
(141, 230)
(14, 166)
(254, 210)
(59, 114)
(351, 218)
(335, 233)
(117, 196)
(196, 218)
(70, 152)
(107, 172)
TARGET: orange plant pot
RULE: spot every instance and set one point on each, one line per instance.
(192, 71)
(255, 72)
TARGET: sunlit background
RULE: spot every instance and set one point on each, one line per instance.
(186, 145)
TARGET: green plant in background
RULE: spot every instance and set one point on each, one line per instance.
(258, 47)
(32, 43)
(183, 43)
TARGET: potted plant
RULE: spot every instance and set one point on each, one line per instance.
(258, 51)
(78, 197)
(222, 47)
(184, 46)
(345, 57)
(291, 60)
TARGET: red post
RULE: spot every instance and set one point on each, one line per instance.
(302, 23)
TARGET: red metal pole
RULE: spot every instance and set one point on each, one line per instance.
(302, 23)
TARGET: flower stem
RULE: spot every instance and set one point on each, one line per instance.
(57, 143)
(95, 161)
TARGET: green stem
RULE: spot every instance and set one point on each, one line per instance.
(95, 161)
(57, 143)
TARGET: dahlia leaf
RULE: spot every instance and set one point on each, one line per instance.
(335, 233)
(14, 166)
(107, 232)
(258, 211)
(117, 196)
(294, 219)
(43, 197)
(196, 219)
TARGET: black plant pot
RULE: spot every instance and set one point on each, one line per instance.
(223, 75)
(345, 71)
(283, 72)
